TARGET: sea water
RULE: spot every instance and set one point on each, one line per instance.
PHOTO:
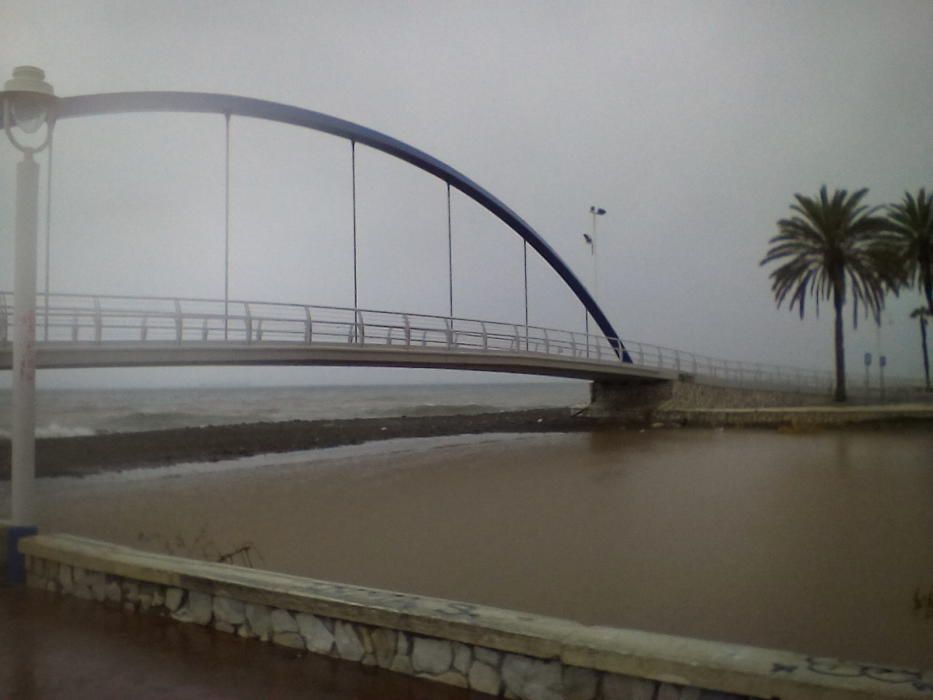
(73, 412)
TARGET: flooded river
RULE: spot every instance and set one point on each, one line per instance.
(819, 542)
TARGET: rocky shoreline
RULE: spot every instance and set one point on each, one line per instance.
(110, 452)
(84, 455)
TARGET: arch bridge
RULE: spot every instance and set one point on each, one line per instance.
(230, 106)
(74, 330)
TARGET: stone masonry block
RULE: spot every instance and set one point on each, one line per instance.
(484, 678)
(366, 638)
(229, 610)
(432, 656)
(532, 679)
(402, 664)
(349, 645)
(463, 656)
(282, 621)
(318, 638)
(260, 620)
(384, 644)
(490, 657)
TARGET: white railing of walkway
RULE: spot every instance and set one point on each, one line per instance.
(84, 319)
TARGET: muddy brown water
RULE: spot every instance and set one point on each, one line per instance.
(820, 542)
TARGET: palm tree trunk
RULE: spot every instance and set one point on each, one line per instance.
(926, 357)
(838, 300)
(928, 289)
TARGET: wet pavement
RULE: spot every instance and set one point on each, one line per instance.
(55, 647)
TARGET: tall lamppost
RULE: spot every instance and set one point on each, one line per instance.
(28, 103)
(596, 212)
(590, 239)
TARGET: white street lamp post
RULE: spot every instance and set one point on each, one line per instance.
(27, 102)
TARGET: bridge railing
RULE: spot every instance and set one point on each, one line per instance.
(76, 318)
(749, 374)
(82, 319)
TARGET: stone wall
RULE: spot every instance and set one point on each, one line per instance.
(691, 395)
(800, 418)
(503, 653)
(479, 668)
(645, 401)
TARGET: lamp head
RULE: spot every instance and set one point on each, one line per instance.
(598, 211)
(29, 98)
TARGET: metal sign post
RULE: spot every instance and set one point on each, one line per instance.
(867, 377)
(882, 363)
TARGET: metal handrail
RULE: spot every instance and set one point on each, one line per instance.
(98, 319)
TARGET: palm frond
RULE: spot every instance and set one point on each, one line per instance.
(910, 224)
(831, 243)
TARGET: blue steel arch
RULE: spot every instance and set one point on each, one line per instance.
(126, 102)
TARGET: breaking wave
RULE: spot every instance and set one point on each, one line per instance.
(54, 430)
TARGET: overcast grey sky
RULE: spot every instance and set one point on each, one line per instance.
(691, 122)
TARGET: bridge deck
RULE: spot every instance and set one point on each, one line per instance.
(159, 354)
(75, 330)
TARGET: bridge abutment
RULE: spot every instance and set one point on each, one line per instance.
(642, 400)
(632, 400)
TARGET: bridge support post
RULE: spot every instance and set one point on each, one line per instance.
(630, 399)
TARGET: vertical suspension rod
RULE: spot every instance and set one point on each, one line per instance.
(525, 270)
(353, 178)
(227, 226)
(450, 257)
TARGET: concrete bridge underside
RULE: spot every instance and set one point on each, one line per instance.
(155, 354)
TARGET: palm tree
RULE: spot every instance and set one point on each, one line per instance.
(828, 242)
(911, 223)
(922, 314)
